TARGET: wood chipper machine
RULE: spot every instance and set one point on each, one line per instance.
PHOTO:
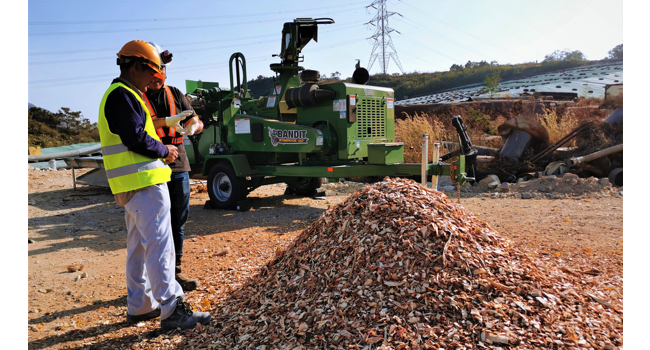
(301, 132)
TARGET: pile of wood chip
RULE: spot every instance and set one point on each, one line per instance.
(397, 266)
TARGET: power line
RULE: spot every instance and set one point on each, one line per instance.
(460, 30)
(102, 77)
(422, 45)
(162, 45)
(67, 52)
(193, 26)
(382, 37)
(184, 51)
(112, 21)
(95, 79)
(413, 24)
(419, 58)
(239, 44)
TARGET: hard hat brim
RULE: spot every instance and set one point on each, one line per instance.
(154, 67)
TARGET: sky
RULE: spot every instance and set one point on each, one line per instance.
(72, 44)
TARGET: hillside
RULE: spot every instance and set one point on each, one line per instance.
(47, 129)
(419, 83)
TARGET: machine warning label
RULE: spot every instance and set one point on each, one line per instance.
(236, 102)
(339, 105)
(278, 88)
(271, 102)
(288, 137)
(353, 100)
(243, 126)
(319, 140)
(342, 114)
(389, 103)
(369, 92)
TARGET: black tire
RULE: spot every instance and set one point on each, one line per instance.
(307, 188)
(224, 187)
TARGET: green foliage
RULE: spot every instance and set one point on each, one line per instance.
(419, 83)
(564, 59)
(47, 129)
(476, 119)
(492, 83)
(616, 53)
(261, 86)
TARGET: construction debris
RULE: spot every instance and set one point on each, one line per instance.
(397, 266)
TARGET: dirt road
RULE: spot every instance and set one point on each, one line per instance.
(86, 309)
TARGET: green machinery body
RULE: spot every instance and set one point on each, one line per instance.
(301, 132)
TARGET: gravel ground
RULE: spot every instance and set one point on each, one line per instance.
(86, 309)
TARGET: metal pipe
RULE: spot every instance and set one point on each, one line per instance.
(435, 160)
(568, 137)
(425, 158)
(603, 152)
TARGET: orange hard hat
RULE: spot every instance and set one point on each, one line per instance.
(143, 51)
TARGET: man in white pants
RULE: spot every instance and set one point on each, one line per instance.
(150, 253)
(133, 159)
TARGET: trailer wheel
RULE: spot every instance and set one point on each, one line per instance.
(224, 187)
(307, 188)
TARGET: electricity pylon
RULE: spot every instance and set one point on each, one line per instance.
(381, 38)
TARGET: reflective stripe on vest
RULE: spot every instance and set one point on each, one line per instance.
(134, 168)
(126, 170)
(172, 108)
(177, 140)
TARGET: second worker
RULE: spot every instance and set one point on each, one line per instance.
(163, 101)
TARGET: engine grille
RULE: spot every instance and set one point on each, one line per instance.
(371, 119)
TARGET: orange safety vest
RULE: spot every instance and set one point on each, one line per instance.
(172, 106)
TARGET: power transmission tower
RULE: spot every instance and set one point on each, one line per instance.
(381, 38)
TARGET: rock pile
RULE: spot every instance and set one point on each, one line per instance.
(396, 266)
(552, 187)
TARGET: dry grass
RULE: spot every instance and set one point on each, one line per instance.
(558, 125)
(558, 120)
(410, 131)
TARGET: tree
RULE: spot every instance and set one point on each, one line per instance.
(47, 129)
(492, 83)
(574, 57)
(481, 64)
(456, 68)
(616, 53)
(565, 56)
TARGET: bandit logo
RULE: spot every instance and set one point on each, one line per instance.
(288, 137)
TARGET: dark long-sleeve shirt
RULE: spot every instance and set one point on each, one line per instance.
(126, 117)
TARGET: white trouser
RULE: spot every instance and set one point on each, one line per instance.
(150, 257)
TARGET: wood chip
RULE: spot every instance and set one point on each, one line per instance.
(405, 267)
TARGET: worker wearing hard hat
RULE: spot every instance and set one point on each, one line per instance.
(135, 163)
(164, 100)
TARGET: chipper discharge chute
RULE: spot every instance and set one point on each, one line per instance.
(301, 132)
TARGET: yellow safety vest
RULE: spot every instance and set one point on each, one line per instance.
(126, 170)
